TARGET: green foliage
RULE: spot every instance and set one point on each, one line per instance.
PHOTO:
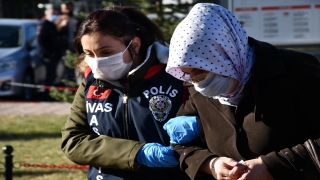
(82, 15)
(70, 59)
(65, 95)
(62, 96)
(169, 26)
(105, 3)
(166, 15)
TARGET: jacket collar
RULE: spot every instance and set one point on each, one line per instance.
(268, 61)
(141, 70)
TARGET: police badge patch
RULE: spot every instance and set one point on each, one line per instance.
(160, 107)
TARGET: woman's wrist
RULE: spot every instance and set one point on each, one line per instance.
(211, 166)
(205, 166)
(213, 160)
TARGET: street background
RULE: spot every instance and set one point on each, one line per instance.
(286, 24)
(33, 108)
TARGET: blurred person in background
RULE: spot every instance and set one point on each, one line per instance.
(116, 119)
(51, 14)
(48, 50)
(248, 101)
(67, 25)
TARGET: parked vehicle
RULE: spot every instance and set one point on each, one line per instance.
(17, 51)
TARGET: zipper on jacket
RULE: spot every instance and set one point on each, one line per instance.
(125, 102)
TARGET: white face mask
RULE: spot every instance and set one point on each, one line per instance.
(214, 85)
(109, 68)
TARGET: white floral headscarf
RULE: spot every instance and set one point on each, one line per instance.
(211, 38)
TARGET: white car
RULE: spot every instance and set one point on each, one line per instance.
(17, 50)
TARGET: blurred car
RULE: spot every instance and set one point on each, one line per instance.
(17, 50)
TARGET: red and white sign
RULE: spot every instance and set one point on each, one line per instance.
(280, 22)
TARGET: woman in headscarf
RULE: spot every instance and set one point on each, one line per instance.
(248, 101)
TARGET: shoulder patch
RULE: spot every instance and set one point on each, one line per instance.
(94, 93)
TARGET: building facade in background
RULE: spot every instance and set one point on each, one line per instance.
(290, 24)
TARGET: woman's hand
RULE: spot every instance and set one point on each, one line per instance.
(227, 168)
(256, 171)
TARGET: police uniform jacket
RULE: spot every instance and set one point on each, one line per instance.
(109, 124)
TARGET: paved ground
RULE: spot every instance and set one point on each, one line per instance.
(33, 108)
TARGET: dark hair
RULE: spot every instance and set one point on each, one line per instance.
(122, 23)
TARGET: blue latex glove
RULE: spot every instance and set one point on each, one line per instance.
(157, 155)
(182, 129)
